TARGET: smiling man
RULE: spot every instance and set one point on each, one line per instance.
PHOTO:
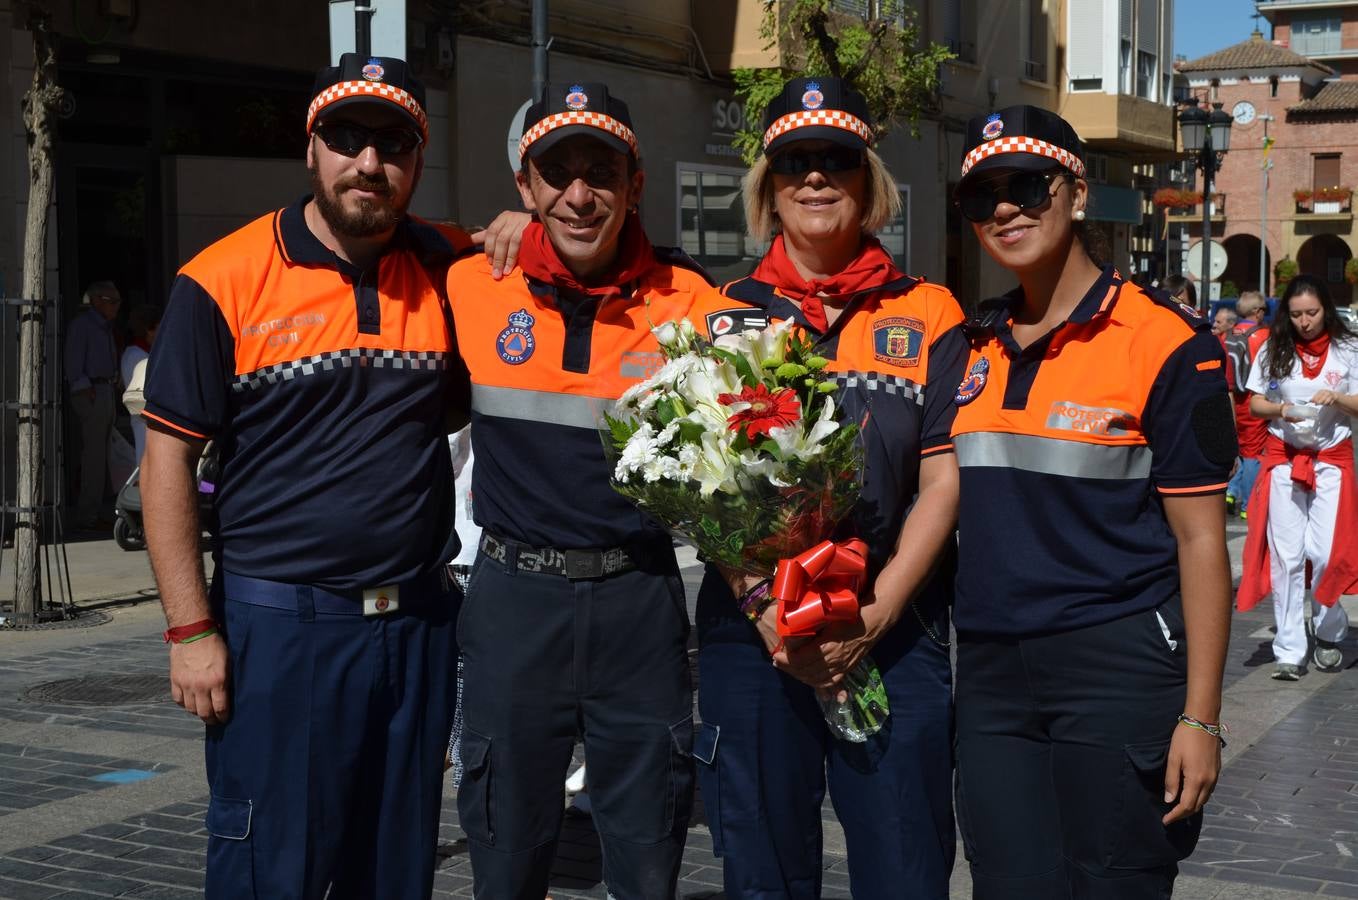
(313, 348)
(575, 620)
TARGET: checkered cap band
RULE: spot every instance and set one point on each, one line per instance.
(577, 117)
(835, 118)
(346, 89)
(1023, 145)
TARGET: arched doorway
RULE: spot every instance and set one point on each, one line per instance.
(1242, 262)
(1324, 256)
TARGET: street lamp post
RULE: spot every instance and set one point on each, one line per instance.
(1207, 138)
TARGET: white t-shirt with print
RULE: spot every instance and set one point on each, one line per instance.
(1338, 374)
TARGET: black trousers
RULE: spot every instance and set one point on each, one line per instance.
(1061, 747)
(545, 659)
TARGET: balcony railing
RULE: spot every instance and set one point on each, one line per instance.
(1216, 208)
(1035, 71)
(1325, 205)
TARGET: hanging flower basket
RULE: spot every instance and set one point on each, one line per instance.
(1302, 196)
(1176, 198)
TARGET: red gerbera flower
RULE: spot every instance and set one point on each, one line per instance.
(764, 412)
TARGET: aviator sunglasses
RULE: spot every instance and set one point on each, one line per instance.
(799, 162)
(349, 139)
(1026, 190)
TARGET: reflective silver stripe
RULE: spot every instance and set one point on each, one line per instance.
(1052, 456)
(539, 406)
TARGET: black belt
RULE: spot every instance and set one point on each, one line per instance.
(572, 564)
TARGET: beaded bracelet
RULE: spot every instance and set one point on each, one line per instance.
(1215, 729)
(754, 601)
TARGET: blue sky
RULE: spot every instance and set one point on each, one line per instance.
(1205, 26)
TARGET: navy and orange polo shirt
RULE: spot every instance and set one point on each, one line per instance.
(1067, 448)
(896, 352)
(545, 364)
(326, 390)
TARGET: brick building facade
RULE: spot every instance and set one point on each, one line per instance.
(1301, 206)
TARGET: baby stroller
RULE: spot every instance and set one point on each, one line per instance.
(128, 531)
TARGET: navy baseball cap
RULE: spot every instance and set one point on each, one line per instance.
(577, 107)
(374, 79)
(1020, 137)
(824, 109)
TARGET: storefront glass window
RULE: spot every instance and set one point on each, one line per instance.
(712, 221)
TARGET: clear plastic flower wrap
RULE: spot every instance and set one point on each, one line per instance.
(737, 448)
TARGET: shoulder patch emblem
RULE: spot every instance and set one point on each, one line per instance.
(974, 383)
(734, 321)
(898, 341)
(516, 343)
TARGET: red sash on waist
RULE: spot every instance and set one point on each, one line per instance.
(1341, 574)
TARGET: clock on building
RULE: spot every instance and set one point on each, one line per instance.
(1243, 112)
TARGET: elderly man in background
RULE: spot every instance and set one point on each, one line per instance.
(91, 369)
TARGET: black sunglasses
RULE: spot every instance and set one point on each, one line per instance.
(799, 162)
(349, 139)
(1026, 190)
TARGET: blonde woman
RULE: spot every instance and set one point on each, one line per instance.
(765, 753)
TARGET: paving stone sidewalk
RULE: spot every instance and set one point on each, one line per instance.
(106, 798)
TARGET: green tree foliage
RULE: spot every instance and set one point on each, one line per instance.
(878, 52)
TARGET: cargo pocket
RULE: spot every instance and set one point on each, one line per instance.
(1138, 839)
(230, 857)
(474, 796)
(681, 774)
(963, 817)
(705, 752)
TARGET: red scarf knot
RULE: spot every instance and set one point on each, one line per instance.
(1312, 354)
(872, 267)
(819, 586)
(539, 260)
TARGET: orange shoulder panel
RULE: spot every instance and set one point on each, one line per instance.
(234, 265)
(1156, 333)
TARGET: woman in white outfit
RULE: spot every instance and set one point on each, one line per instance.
(1305, 383)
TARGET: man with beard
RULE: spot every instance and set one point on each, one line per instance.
(313, 348)
(575, 618)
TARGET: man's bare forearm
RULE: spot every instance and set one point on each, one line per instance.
(169, 492)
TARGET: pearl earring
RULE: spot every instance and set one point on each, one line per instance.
(1079, 215)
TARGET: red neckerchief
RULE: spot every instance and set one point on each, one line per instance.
(539, 260)
(1312, 354)
(140, 343)
(870, 268)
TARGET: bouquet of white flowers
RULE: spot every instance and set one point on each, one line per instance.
(735, 446)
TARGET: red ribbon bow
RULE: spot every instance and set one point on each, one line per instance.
(819, 586)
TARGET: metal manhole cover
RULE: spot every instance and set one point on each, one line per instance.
(101, 690)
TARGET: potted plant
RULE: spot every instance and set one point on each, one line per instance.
(1283, 272)
(1330, 199)
(1351, 270)
(1229, 289)
(1176, 198)
(1303, 198)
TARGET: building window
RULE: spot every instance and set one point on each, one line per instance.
(1325, 170)
(1273, 86)
(1313, 35)
(712, 220)
(1086, 84)
(1145, 75)
(895, 237)
(959, 29)
(1034, 24)
(1125, 67)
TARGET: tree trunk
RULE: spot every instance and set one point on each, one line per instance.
(39, 105)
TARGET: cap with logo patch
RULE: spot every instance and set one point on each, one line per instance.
(372, 79)
(577, 107)
(819, 109)
(1020, 137)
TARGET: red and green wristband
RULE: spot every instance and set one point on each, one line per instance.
(194, 631)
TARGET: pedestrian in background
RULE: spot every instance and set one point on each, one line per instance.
(1094, 439)
(1305, 384)
(1182, 290)
(821, 192)
(1223, 322)
(1242, 347)
(91, 368)
(142, 323)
